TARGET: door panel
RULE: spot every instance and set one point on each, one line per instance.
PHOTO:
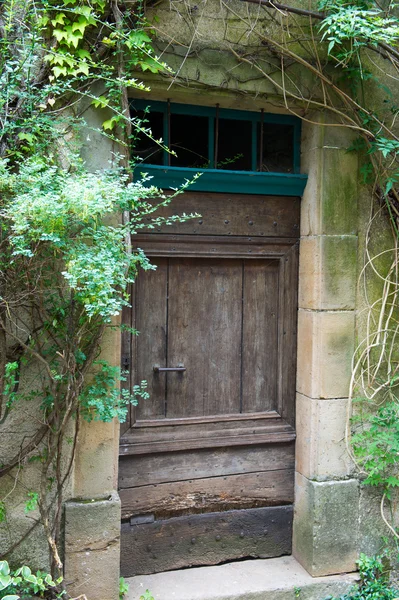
(260, 336)
(204, 334)
(214, 444)
(218, 318)
(150, 302)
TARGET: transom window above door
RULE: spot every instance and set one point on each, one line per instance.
(225, 145)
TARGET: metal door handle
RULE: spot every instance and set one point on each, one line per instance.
(162, 369)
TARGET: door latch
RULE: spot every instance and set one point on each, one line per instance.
(179, 369)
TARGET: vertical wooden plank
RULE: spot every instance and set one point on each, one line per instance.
(205, 335)
(289, 337)
(260, 342)
(150, 345)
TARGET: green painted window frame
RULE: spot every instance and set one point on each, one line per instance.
(224, 180)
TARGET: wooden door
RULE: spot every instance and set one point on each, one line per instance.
(207, 463)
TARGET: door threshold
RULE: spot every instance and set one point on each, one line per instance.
(280, 578)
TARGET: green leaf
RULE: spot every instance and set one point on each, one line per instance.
(59, 34)
(81, 24)
(3, 512)
(59, 19)
(68, 36)
(110, 123)
(149, 64)
(43, 21)
(388, 188)
(4, 567)
(101, 102)
(31, 504)
(5, 581)
(25, 571)
(83, 54)
(58, 71)
(138, 38)
(86, 11)
(29, 137)
(82, 67)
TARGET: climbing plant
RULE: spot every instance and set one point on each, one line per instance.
(66, 259)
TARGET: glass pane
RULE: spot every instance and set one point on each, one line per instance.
(278, 148)
(235, 145)
(189, 139)
(144, 148)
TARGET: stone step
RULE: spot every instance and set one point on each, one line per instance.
(270, 579)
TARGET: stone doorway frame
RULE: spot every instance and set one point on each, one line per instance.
(325, 539)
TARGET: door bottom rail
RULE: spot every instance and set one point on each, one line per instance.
(152, 546)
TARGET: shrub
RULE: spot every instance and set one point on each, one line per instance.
(374, 581)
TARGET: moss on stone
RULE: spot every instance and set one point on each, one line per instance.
(339, 193)
(339, 256)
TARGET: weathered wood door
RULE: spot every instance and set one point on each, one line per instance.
(207, 463)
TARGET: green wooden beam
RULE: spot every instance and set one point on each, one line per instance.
(218, 180)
